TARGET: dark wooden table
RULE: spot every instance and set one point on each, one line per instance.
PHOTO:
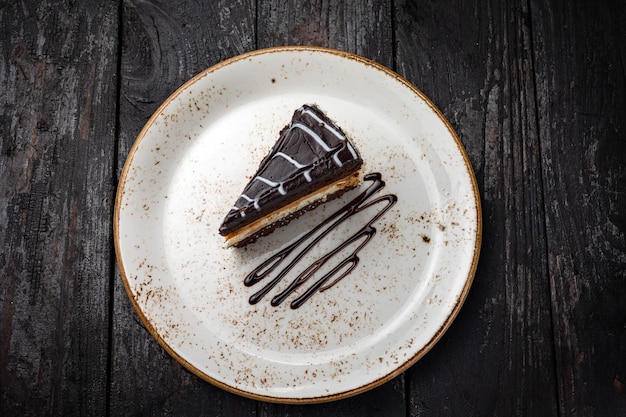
(535, 89)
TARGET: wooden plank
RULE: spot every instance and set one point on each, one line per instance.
(361, 28)
(581, 86)
(163, 45)
(57, 124)
(385, 400)
(364, 29)
(473, 59)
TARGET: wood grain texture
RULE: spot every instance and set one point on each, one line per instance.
(581, 91)
(57, 126)
(163, 45)
(363, 28)
(385, 400)
(473, 59)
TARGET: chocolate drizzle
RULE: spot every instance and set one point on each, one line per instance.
(342, 269)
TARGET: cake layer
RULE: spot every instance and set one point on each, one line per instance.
(279, 218)
(311, 153)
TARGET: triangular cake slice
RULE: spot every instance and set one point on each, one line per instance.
(312, 162)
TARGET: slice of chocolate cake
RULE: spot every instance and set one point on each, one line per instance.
(312, 162)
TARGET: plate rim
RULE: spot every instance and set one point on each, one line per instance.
(339, 395)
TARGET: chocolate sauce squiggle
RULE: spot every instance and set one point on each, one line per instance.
(347, 265)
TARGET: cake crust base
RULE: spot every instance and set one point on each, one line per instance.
(279, 218)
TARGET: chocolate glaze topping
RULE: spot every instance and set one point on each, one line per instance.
(343, 268)
(311, 152)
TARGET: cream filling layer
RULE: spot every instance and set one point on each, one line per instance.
(320, 195)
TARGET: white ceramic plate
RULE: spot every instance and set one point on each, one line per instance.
(188, 166)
